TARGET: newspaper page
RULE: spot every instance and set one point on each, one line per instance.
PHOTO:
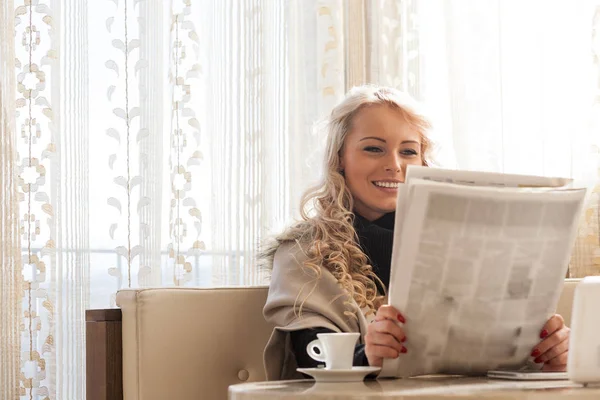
(471, 178)
(478, 178)
(478, 270)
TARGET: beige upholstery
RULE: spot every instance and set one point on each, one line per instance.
(189, 344)
(565, 304)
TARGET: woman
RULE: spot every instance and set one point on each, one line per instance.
(331, 270)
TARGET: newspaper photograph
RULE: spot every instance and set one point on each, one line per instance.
(478, 265)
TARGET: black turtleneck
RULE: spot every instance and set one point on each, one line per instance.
(375, 239)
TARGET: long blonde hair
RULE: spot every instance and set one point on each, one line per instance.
(326, 232)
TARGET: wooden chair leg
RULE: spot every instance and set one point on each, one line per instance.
(104, 354)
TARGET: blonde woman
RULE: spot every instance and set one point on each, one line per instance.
(330, 271)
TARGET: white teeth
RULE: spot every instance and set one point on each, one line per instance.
(387, 184)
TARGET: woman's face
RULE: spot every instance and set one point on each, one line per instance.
(374, 157)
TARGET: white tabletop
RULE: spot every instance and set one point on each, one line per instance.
(427, 387)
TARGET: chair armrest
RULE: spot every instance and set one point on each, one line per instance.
(191, 343)
(104, 374)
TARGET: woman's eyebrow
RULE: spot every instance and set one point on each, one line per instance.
(383, 140)
(373, 137)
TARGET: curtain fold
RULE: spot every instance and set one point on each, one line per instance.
(67, 285)
(10, 245)
(317, 73)
(154, 96)
(247, 67)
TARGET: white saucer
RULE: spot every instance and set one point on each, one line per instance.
(339, 375)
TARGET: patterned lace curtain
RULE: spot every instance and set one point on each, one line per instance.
(147, 143)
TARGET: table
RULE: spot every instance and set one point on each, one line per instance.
(422, 388)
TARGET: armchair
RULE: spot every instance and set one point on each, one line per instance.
(186, 343)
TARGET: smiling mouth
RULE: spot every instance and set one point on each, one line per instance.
(386, 185)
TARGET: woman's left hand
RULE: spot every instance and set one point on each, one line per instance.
(554, 348)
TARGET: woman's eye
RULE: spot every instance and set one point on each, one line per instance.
(373, 149)
(409, 152)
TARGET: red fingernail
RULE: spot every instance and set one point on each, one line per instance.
(404, 350)
(403, 339)
(538, 360)
(401, 318)
(535, 353)
(544, 334)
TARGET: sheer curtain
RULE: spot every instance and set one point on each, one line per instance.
(10, 256)
(517, 81)
(150, 143)
(514, 88)
(147, 143)
(511, 86)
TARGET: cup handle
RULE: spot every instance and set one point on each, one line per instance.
(310, 349)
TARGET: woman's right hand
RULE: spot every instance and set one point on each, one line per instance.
(384, 337)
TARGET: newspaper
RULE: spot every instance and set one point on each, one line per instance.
(478, 264)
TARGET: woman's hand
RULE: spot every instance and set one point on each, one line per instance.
(384, 337)
(554, 349)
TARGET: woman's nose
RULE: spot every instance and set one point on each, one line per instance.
(394, 164)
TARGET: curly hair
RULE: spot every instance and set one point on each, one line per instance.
(326, 231)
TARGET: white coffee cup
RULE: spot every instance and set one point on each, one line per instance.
(336, 350)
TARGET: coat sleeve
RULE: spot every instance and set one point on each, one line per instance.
(301, 299)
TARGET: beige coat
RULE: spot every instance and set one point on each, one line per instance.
(324, 305)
